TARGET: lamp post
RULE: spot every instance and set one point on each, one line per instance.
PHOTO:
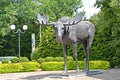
(12, 27)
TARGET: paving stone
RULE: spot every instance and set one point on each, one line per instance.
(110, 74)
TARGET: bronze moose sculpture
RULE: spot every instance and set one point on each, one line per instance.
(70, 31)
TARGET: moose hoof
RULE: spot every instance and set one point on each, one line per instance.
(65, 73)
(77, 71)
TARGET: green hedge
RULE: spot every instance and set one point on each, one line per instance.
(4, 61)
(72, 66)
(15, 60)
(57, 59)
(19, 67)
(22, 59)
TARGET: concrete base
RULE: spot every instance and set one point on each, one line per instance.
(74, 74)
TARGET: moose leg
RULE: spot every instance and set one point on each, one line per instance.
(87, 51)
(87, 59)
(65, 58)
(75, 56)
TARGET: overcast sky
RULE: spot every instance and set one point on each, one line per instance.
(88, 7)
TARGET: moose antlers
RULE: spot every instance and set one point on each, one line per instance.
(43, 20)
(71, 21)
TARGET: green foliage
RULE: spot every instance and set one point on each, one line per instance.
(10, 68)
(19, 67)
(72, 66)
(51, 66)
(24, 59)
(49, 46)
(41, 60)
(15, 60)
(18, 12)
(21, 12)
(107, 23)
(70, 58)
(60, 8)
(35, 55)
(4, 61)
(58, 59)
(30, 66)
(48, 59)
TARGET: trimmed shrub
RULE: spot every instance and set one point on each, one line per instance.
(4, 61)
(99, 65)
(24, 59)
(71, 65)
(10, 68)
(48, 59)
(19, 67)
(14, 60)
(59, 59)
(35, 55)
(70, 58)
(40, 60)
(29, 66)
(48, 66)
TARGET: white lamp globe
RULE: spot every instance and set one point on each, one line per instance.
(12, 27)
(25, 27)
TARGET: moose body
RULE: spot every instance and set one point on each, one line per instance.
(70, 31)
(76, 33)
(72, 34)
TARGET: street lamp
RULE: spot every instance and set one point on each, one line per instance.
(12, 27)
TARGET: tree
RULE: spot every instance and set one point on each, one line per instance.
(107, 23)
(57, 9)
(20, 12)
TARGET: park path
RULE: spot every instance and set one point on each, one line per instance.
(110, 74)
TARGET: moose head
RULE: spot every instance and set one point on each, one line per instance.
(62, 26)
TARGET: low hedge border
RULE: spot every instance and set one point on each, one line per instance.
(19, 67)
(71, 65)
(51, 59)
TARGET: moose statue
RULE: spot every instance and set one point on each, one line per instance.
(70, 31)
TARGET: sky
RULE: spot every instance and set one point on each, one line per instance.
(88, 7)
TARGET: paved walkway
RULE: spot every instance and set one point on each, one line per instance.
(111, 74)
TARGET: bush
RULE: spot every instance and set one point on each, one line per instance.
(35, 55)
(15, 60)
(70, 58)
(5, 61)
(71, 65)
(40, 60)
(30, 66)
(46, 66)
(24, 59)
(10, 68)
(59, 59)
(48, 59)
(19, 67)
